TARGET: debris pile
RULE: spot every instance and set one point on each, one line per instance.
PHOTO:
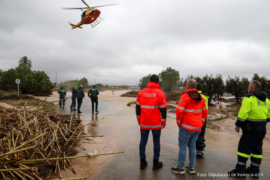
(132, 93)
(29, 139)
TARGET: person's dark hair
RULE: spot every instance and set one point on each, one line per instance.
(199, 86)
(94, 86)
(73, 87)
(154, 78)
(62, 88)
(256, 85)
(191, 83)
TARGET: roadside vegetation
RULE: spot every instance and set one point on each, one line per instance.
(130, 103)
(48, 106)
(132, 93)
(32, 82)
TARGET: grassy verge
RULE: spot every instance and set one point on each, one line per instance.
(34, 102)
(130, 103)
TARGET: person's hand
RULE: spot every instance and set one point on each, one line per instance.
(237, 129)
(163, 124)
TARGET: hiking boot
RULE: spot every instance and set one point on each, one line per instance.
(191, 170)
(79, 112)
(199, 154)
(143, 164)
(252, 174)
(157, 165)
(178, 171)
(236, 173)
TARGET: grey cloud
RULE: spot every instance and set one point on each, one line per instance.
(138, 38)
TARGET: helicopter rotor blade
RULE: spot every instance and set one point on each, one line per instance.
(107, 5)
(74, 8)
(85, 3)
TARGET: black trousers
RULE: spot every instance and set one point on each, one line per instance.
(200, 145)
(250, 144)
(94, 99)
(79, 100)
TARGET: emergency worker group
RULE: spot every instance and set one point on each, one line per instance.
(78, 95)
(191, 117)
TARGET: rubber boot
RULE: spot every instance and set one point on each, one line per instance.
(143, 164)
(157, 165)
(252, 174)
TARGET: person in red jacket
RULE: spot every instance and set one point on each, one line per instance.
(151, 109)
(191, 113)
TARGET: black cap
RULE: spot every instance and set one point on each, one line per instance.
(94, 86)
(154, 78)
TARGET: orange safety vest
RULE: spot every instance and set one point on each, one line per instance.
(191, 113)
(150, 100)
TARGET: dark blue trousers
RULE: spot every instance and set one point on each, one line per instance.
(156, 140)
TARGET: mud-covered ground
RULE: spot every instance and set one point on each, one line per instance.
(121, 133)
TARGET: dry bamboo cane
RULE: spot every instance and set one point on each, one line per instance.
(19, 169)
(5, 154)
(27, 142)
(71, 157)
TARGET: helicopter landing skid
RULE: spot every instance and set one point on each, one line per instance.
(95, 23)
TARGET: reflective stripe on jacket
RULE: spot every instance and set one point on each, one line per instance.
(150, 100)
(190, 113)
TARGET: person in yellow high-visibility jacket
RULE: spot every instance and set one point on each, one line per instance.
(200, 143)
(252, 119)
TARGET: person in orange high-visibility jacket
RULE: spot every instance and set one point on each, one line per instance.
(151, 109)
(191, 113)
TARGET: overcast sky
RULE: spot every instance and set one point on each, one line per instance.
(137, 38)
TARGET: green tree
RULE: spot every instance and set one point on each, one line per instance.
(143, 81)
(8, 79)
(245, 82)
(1, 72)
(23, 69)
(37, 82)
(211, 85)
(25, 60)
(83, 82)
(235, 87)
(265, 84)
(170, 78)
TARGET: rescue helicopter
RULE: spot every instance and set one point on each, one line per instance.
(89, 16)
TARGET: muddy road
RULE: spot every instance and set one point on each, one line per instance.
(121, 133)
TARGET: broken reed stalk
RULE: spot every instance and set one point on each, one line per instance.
(20, 169)
(28, 142)
(13, 152)
(72, 157)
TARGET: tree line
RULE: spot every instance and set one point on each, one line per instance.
(67, 85)
(211, 85)
(32, 82)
